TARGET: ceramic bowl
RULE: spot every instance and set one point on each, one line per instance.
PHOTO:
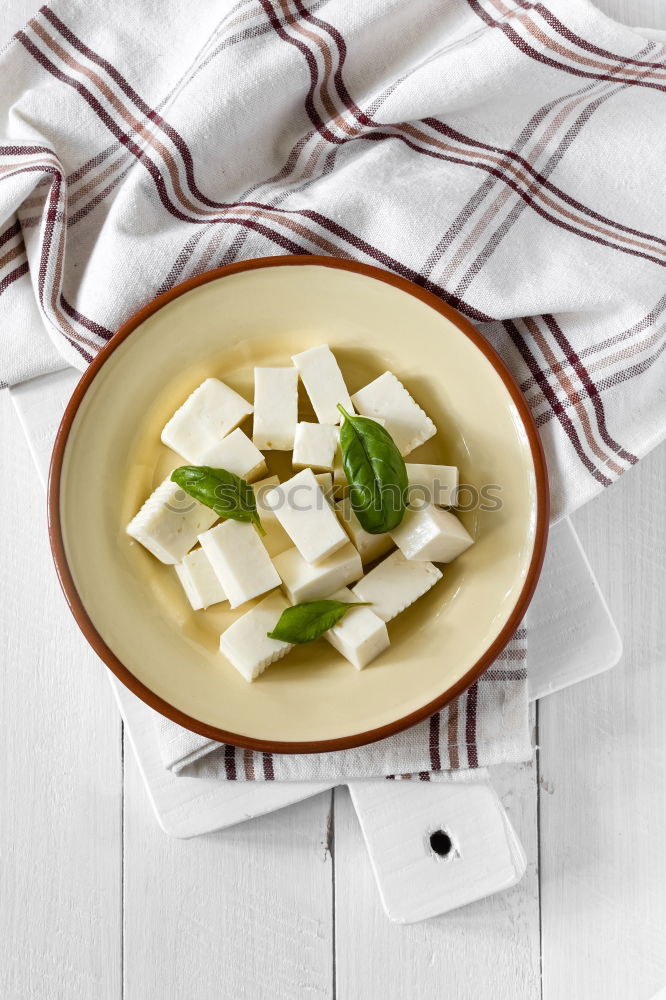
(108, 457)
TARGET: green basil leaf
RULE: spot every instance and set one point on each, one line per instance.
(375, 471)
(224, 492)
(306, 622)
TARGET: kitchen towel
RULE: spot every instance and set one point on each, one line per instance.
(507, 156)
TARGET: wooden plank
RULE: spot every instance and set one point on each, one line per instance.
(603, 767)
(246, 912)
(60, 769)
(490, 948)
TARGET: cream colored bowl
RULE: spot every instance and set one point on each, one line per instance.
(108, 458)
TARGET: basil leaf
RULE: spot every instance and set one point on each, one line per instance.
(375, 471)
(224, 492)
(306, 622)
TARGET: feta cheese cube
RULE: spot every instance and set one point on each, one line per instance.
(437, 484)
(406, 422)
(304, 581)
(325, 480)
(323, 383)
(199, 580)
(395, 583)
(306, 516)
(240, 561)
(169, 522)
(315, 445)
(431, 533)
(369, 546)
(276, 539)
(246, 644)
(206, 416)
(360, 636)
(237, 454)
(275, 408)
(339, 477)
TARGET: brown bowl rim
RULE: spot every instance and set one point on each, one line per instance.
(311, 746)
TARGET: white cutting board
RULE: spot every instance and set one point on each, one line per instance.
(569, 641)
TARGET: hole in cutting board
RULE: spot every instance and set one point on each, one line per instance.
(441, 843)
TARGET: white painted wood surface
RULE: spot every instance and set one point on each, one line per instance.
(61, 781)
(246, 913)
(95, 902)
(603, 769)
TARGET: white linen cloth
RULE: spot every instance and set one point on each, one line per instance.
(506, 155)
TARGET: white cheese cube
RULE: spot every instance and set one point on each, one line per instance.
(206, 416)
(339, 477)
(437, 484)
(236, 454)
(169, 522)
(246, 644)
(240, 561)
(431, 533)
(360, 636)
(315, 446)
(395, 583)
(323, 383)
(199, 580)
(304, 581)
(325, 480)
(261, 491)
(276, 539)
(275, 408)
(306, 516)
(406, 422)
(369, 546)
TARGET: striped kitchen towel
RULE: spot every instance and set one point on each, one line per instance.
(506, 155)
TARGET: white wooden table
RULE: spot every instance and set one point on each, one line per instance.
(97, 904)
